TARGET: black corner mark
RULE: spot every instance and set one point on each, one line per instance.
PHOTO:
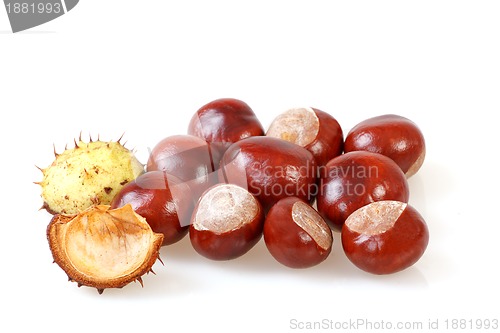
(26, 14)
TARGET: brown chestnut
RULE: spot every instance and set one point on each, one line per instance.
(188, 158)
(163, 200)
(226, 223)
(353, 180)
(385, 237)
(225, 121)
(271, 169)
(296, 235)
(391, 135)
(313, 129)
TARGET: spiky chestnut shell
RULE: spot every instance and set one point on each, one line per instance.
(103, 247)
(87, 174)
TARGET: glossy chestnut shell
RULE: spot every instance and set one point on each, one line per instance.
(271, 169)
(355, 179)
(296, 235)
(313, 129)
(163, 200)
(225, 121)
(385, 237)
(226, 223)
(393, 136)
(188, 158)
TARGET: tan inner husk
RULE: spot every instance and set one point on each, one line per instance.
(103, 248)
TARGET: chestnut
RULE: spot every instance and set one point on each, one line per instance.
(385, 237)
(188, 158)
(353, 180)
(391, 135)
(163, 200)
(296, 235)
(226, 223)
(225, 121)
(271, 169)
(313, 129)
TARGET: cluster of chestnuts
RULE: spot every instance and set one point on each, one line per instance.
(228, 182)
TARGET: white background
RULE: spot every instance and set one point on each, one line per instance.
(144, 67)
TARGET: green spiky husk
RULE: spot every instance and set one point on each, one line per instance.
(88, 174)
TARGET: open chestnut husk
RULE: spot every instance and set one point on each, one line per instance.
(102, 247)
